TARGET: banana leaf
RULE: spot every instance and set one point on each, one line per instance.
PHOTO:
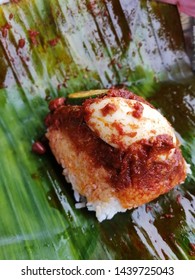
(56, 47)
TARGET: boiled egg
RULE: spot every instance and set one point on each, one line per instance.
(121, 122)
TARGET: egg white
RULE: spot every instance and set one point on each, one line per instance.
(132, 129)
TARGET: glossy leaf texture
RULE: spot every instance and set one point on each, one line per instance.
(55, 47)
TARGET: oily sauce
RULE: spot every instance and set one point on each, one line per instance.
(145, 165)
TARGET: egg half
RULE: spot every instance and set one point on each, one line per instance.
(121, 122)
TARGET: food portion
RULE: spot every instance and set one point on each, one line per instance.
(116, 149)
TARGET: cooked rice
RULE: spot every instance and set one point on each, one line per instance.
(104, 210)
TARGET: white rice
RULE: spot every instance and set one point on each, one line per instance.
(188, 169)
(104, 210)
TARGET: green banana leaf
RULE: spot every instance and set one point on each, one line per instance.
(56, 47)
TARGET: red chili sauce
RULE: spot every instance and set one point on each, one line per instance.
(138, 166)
(138, 110)
(114, 92)
(21, 43)
(109, 109)
(33, 36)
(53, 42)
(4, 29)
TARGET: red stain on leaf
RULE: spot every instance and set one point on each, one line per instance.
(53, 42)
(11, 16)
(15, 1)
(4, 29)
(33, 36)
(192, 249)
(21, 43)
